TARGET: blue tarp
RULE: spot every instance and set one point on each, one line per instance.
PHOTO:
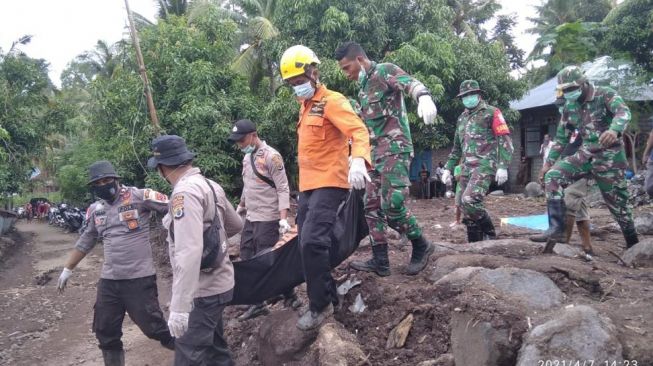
(535, 222)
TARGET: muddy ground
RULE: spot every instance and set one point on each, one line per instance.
(38, 326)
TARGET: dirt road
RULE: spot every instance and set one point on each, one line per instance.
(38, 326)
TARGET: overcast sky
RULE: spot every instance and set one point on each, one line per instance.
(64, 29)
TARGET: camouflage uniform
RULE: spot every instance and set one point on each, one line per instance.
(384, 112)
(603, 109)
(483, 140)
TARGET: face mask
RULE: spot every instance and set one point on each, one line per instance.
(248, 149)
(304, 91)
(107, 191)
(471, 101)
(573, 95)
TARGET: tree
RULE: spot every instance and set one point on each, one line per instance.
(252, 60)
(502, 32)
(25, 103)
(470, 15)
(554, 13)
(630, 32)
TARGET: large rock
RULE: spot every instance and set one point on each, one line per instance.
(575, 334)
(280, 341)
(444, 360)
(335, 346)
(459, 277)
(533, 189)
(644, 223)
(479, 343)
(640, 255)
(529, 288)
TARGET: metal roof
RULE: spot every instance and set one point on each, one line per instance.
(539, 96)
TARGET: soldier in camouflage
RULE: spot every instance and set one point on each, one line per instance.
(483, 140)
(601, 116)
(384, 112)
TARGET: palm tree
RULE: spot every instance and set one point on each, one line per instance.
(259, 29)
(176, 7)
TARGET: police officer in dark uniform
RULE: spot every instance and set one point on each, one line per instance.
(120, 218)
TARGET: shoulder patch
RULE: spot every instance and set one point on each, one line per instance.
(178, 206)
(154, 196)
(277, 161)
(499, 126)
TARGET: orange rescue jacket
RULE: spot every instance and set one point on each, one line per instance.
(326, 123)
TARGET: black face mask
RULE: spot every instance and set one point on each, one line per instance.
(106, 192)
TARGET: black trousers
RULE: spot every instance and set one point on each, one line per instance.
(204, 344)
(258, 236)
(316, 216)
(137, 297)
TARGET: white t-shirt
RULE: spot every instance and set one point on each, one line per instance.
(546, 149)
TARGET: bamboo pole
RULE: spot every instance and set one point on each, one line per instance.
(143, 72)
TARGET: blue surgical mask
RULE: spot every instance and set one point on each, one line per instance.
(248, 149)
(304, 91)
(573, 95)
(471, 101)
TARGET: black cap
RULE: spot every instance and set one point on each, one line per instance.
(241, 129)
(169, 150)
(101, 169)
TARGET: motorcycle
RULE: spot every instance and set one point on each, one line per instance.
(73, 219)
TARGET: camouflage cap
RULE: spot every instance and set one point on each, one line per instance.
(571, 76)
(468, 86)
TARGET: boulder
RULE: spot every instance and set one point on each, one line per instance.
(528, 288)
(444, 360)
(566, 250)
(335, 346)
(644, 223)
(576, 334)
(497, 193)
(448, 264)
(479, 343)
(459, 277)
(640, 255)
(280, 341)
(533, 189)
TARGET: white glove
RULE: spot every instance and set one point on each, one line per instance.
(358, 176)
(63, 278)
(178, 323)
(241, 210)
(284, 226)
(426, 109)
(502, 176)
(446, 176)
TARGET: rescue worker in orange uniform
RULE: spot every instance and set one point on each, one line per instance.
(326, 124)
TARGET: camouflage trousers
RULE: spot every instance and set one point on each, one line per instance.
(607, 167)
(474, 184)
(385, 199)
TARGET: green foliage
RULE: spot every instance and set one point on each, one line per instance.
(199, 90)
(630, 33)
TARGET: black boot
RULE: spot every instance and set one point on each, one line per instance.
(487, 227)
(254, 311)
(474, 232)
(630, 234)
(544, 237)
(422, 250)
(556, 231)
(113, 357)
(379, 263)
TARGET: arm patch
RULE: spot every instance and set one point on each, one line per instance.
(154, 196)
(499, 126)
